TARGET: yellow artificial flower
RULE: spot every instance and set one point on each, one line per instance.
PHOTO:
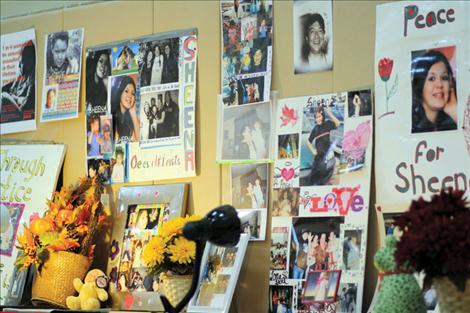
(172, 228)
(182, 251)
(153, 253)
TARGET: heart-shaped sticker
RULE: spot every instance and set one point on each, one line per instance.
(128, 301)
(287, 174)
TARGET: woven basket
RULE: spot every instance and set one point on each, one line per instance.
(175, 287)
(55, 281)
(452, 300)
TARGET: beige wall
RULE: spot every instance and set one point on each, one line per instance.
(354, 33)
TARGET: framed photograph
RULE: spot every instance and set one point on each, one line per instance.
(352, 248)
(16, 287)
(253, 222)
(321, 286)
(142, 210)
(218, 277)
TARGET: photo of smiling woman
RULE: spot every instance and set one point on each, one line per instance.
(434, 97)
(126, 120)
(98, 68)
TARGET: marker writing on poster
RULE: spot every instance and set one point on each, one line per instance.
(278, 278)
(442, 16)
(340, 199)
(13, 191)
(159, 161)
(458, 181)
(188, 113)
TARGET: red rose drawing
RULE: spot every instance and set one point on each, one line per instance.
(385, 69)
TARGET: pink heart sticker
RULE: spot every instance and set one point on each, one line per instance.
(287, 174)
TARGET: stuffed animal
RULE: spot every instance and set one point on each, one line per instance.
(399, 291)
(90, 293)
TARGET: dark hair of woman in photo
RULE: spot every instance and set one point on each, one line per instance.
(146, 69)
(126, 122)
(170, 69)
(312, 44)
(98, 69)
(434, 93)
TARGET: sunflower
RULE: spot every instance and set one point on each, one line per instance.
(182, 251)
(153, 253)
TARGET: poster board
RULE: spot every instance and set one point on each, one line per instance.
(29, 174)
(321, 187)
(152, 137)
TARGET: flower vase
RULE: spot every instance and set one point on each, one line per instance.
(175, 287)
(54, 283)
(451, 299)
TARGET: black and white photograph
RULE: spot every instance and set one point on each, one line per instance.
(249, 186)
(64, 52)
(159, 62)
(313, 36)
(18, 97)
(359, 103)
(98, 68)
(160, 115)
(246, 132)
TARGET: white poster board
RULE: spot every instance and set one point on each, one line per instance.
(29, 175)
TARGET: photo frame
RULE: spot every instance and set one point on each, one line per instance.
(141, 211)
(16, 289)
(321, 286)
(218, 277)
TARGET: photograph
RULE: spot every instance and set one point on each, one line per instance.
(160, 114)
(346, 297)
(352, 249)
(430, 296)
(13, 212)
(119, 164)
(355, 143)
(246, 132)
(313, 36)
(390, 228)
(288, 146)
(321, 140)
(98, 68)
(286, 201)
(359, 103)
(124, 58)
(314, 245)
(50, 98)
(158, 62)
(253, 222)
(281, 299)
(64, 54)
(434, 90)
(106, 130)
(321, 286)
(279, 248)
(250, 90)
(124, 108)
(249, 186)
(100, 167)
(144, 216)
(19, 85)
(94, 136)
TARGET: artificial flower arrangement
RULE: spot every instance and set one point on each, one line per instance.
(169, 252)
(73, 217)
(436, 237)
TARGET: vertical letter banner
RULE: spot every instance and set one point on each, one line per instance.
(140, 104)
(320, 202)
(18, 80)
(422, 87)
(28, 177)
(62, 74)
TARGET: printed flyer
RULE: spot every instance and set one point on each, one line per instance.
(321, 180)
(422, 87)
(247, 32)
(28, 177)
(18, 80)
(141, 108)
(62, 74)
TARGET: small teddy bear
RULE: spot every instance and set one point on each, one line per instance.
(89, 292)
(399, 291)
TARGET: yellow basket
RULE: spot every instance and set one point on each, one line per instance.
(452, 300)
(55, 281)
(175, 287)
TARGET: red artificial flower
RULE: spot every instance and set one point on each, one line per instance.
(385, 68)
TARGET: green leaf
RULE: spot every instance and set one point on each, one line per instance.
(20, 260)
(48, 238)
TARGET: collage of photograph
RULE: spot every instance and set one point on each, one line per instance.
(247, 28)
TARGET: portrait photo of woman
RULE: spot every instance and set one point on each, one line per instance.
(98, 68)
(434, 96)
(125, 118)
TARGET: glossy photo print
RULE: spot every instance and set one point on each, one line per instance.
(313, 36)
(249, 186)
